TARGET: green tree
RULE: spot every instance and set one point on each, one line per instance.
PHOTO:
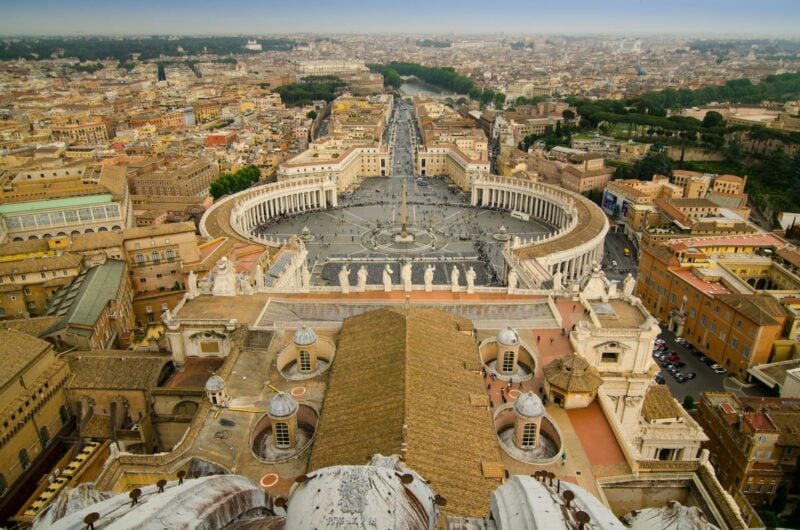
(713, 119)
(652, 164)
(312, 114)
(734, 153)
(770, 519)
(781, 497)
(568, 115)
(499, 99)
(688, 402)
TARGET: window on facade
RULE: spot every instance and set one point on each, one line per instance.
(746, 352)
(24, 459)
(63, 413)
(281, 434)
(508, 361)
(738, 323)
(170, 254)
(305, 361)
(44, 435)
(758, 488)
(528, 435)
(156, 257)
(703, 320)
(734, 342)
(139, 259)
(609, 357)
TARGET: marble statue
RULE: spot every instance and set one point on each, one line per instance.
(191, 280)
(243, 284)
(387, 278)
(471, 280)
(259, 276)
(344, 279)
(511, 280)
(429, 272)
(405, 276)
(362, 279)
(454, 274)
(306, 275)
(628, 284)
(557, 281)
(224, 278)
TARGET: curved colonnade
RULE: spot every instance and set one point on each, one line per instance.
(255, 206)
(581, 228)
(570, 250)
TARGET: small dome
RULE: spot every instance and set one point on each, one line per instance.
(529, 405)
(282, 405)
(304, 336)
(507, 337)
(215, 383)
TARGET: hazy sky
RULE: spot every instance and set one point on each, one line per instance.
(90, 17)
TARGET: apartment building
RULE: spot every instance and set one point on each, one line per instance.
(91, 130)
(453, 147)
(754, 443)
(173, 177)
(720, 293)
(33, 412)
(48, 202)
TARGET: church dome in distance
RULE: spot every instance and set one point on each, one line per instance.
(507, 337)
(529, 405)
(304, 336)
(282, 405)
(215, 383)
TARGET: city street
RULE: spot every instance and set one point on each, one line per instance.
(615, 245)
(706, 380)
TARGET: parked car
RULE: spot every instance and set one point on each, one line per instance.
(665, 364)
(718, 369)
(679, 364)
(674, 357)
(660, 379)
(680, 340)
(661, 356)
(673, 370)
(690, 375)
(709, 361)
(680, 378)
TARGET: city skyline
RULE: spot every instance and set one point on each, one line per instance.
(632, 17)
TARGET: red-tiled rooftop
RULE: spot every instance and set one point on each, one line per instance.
(760, 421)
(714, 288)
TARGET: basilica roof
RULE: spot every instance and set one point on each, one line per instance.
(400, 385)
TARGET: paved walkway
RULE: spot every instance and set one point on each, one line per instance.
(598, 440)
